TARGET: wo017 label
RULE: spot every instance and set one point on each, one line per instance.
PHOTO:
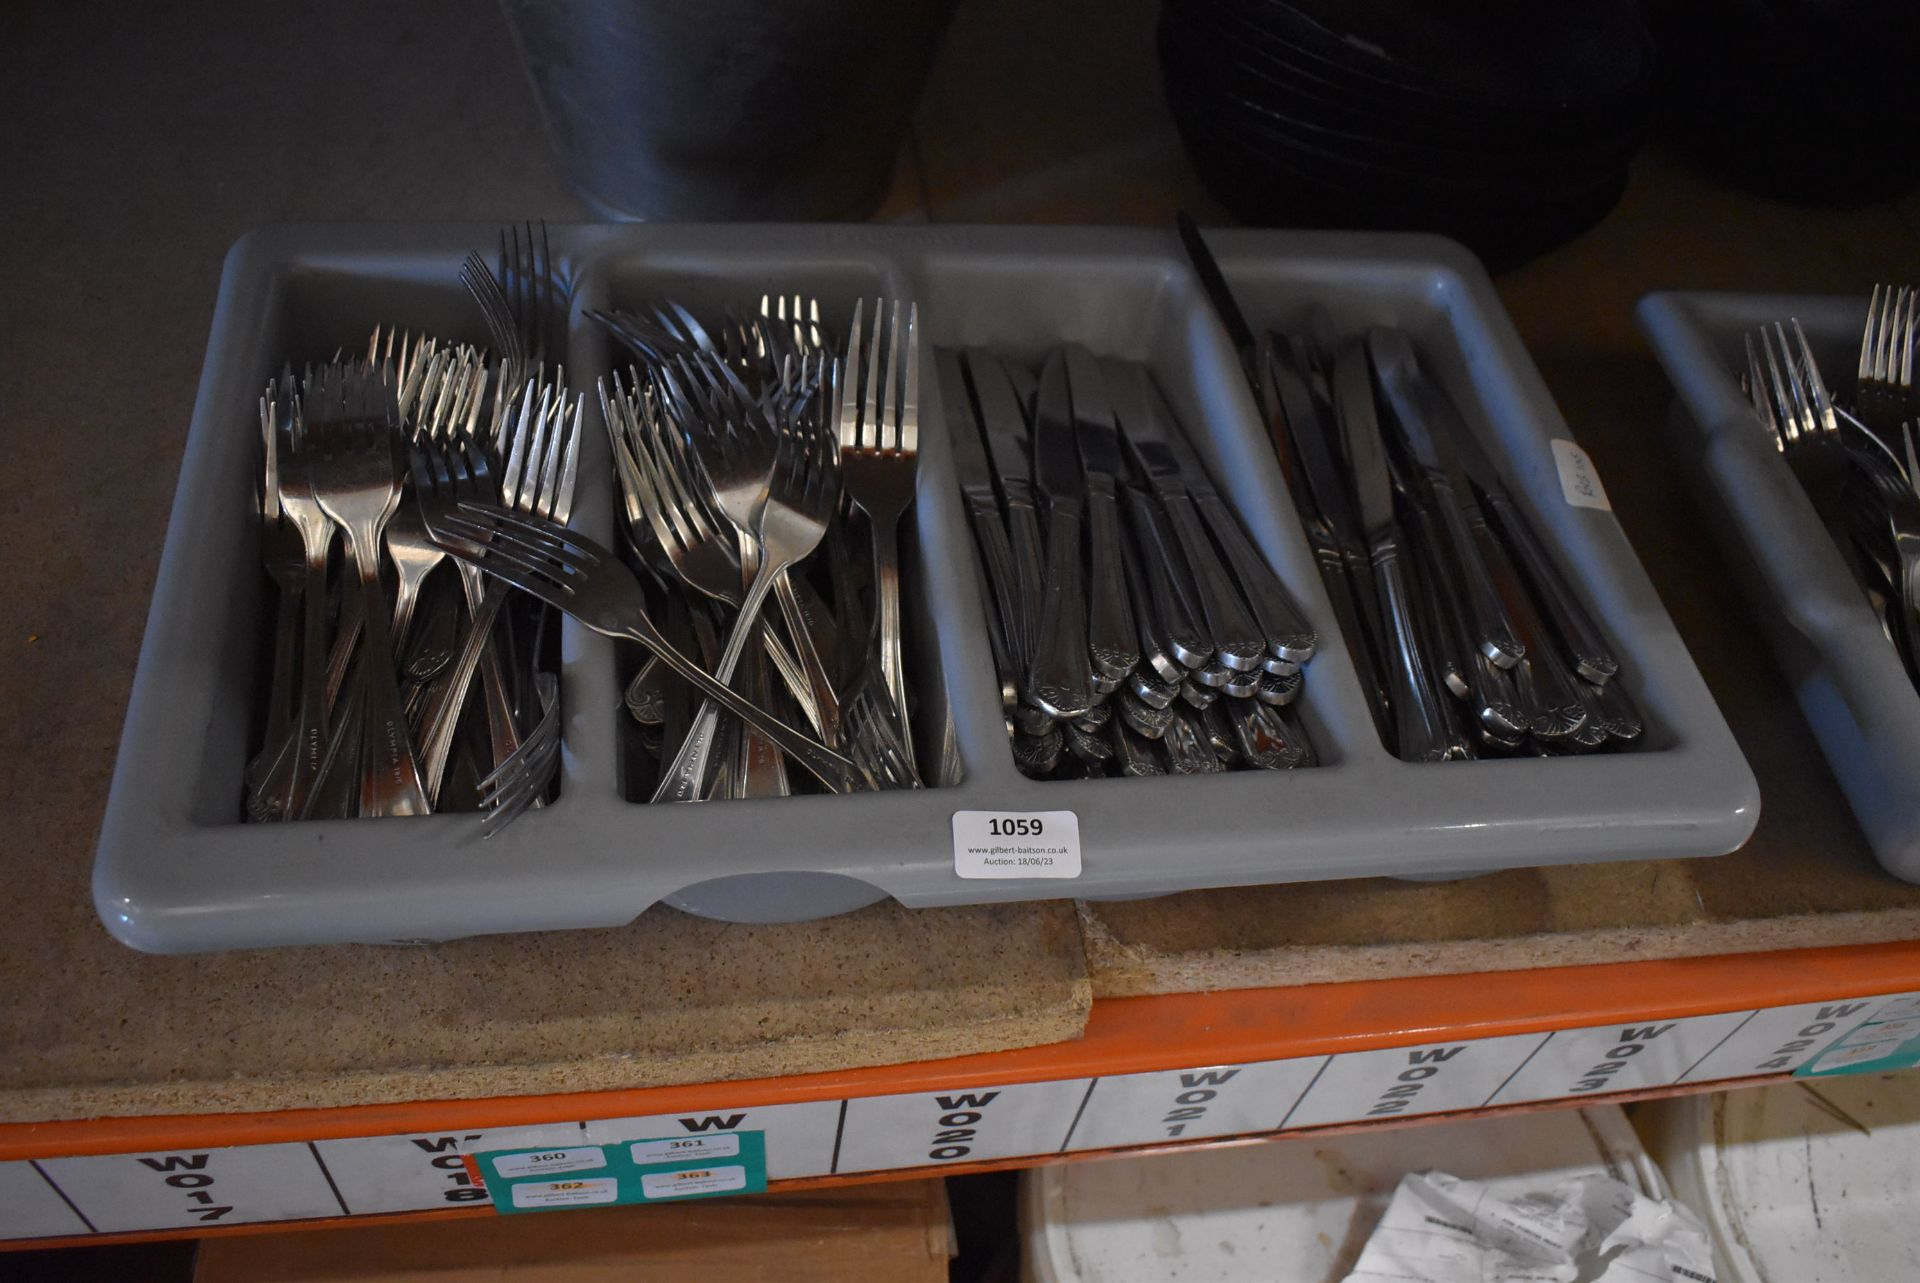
(1016, 844)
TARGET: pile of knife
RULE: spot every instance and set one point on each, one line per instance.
(1468, 640)
(1136, 628)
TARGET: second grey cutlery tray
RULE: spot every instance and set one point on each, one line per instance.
(1845, 674)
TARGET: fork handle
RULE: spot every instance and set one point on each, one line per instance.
(681, 780)
(802, 627)
(886, 579)
(836, 772)
(389, 775)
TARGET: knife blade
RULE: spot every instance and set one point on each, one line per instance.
(1432, 448)
(1414, 693)
(1112, 642)
(1057, 677)
(983, 508)
(1003, 415)
(1587, 646)
(1237, 640)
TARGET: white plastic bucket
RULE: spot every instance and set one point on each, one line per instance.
(1812, 1181)
(1295, 1210)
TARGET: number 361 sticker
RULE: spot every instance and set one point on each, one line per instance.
(1016, 844)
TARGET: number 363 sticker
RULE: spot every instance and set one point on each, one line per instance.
(1016, 844)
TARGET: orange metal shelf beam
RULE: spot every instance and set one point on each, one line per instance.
(907, 1173)
(1124, 1035)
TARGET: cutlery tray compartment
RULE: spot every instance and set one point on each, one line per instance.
(1825, 638)
(177, 871)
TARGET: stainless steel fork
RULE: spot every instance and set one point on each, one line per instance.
(665, 494)
(576, 575)
(879, 429)
(350, 418)
(788, 522)
(1884, 395)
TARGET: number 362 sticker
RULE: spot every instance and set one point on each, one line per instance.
(1016, 844)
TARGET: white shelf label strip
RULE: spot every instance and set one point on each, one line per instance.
(369, 1175)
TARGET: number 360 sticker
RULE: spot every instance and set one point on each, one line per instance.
(1016, 844)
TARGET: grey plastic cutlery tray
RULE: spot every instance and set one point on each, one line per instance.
(1846, 676)
(177, 870)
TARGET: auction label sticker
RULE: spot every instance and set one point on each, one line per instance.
(544, 1195)
(640, 1171)
(552, 1162)
(681, 1149)
(1579, 480)
(1016, 844)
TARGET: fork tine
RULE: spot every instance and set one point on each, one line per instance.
(850, 383)
(869, 424)
(910, 399)
(1903, 374)
(1825, 422)
(1868, 338)
(562, 509)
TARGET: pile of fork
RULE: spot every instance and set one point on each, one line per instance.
(753, 456)
(1864, 480)
(373, 707)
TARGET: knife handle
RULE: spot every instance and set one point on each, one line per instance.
(1287, 632)
(997, 553)
(1492, 631)
(1344, 589)
(1419, 720)
(1023, 530)
(1548, 694)
(1592, 657)
(1057, 674)
(1111, 641)
(1182, 626)
(1237, 642)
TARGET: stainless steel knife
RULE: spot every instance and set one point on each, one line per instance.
(1057, 677)
(1003, 416)
(1237, 640)
(1112, 643)
(1290, 639)
(1414, 691)
(983, 508)
(1432, 447)
(1592, 656)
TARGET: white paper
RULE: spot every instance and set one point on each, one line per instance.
(582, 1193)
(1591, 1229)
(712, 1180)
(677, 1149)
(1016, 844)
(550, 1162)
(1579, 481)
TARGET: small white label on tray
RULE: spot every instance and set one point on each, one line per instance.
(1016, 844)
(689, 1148)
(706, 1180)
(550, 1162)
(1579, 479)
(586, 1193)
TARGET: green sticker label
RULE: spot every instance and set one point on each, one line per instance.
(661, 1170)
(1891, 1040)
